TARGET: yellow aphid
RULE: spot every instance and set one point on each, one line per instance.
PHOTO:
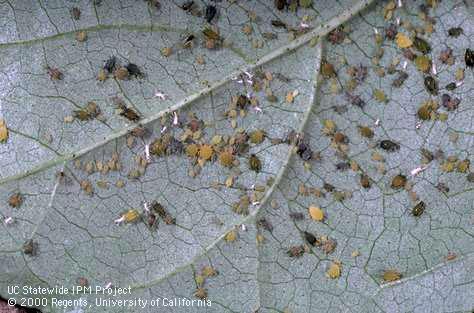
(316, 213)
(403, 41)
(391, 275)
(3, 131)
(131, 216)
(231, 236)
(334, 270)
(260, 239)
(199, 280)
(208, 271)
(206, 152)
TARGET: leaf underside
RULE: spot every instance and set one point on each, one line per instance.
(311, 89)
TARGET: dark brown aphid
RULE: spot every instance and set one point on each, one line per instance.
(280, 4)
(110, 64)
(355, 100)
(455, 32)
(427, 154)
(365, 181)
(329, 187)
(398, 82)
(337, 35)
(418, 209)
(421, 45)
(329, 245)
(211, 12)
(128, 113)
(139, 132)
(187, 6)
(431, 85)
(265, 224)
(342, 166)
(278, 23)
(76, 13)
(161, 211)
(254, 163)
(242, 101)
(389, 145)
(54, 73)
(134, 70)
(451, 86)
(399, 182)
(297, 216)
(30, 247)
(296, 251)
(311, 239)
(15, 200)
(188, 41)
(469, 58)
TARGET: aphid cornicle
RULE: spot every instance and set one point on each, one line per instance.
(418, 209)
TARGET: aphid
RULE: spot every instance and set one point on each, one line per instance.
(133, 70)
(295, 251)
(391, 31)
(76, 13)
(151, 220)
(54, 73)
(470, 178)
(265, 224)
(328, 245)
(187, 6)
(451, 86)
(342, 166)
(455, 32)
(304, 151)
(280, 4)
(355, 100)
(201, 293)
(297, 216)
(469, 57)
(444, 188)
(210, 34)
(161, 211)
(242, 101)
(449, 103)
(421, 45)
(329, 187)
(15, 200)
(188, 41)
(278, 23)
(121, 73)
(399, 182)
(418, 209)
(389, 145)
(431, 85)
(340, 138)
(30, 247)
(110, 64)
(130, 216)
(365, 181)
(337, 35)
(89, 112)
(391, 275)
(398, 82)
(211, 12)
(128, 113)
(254, 163)
(311, 239)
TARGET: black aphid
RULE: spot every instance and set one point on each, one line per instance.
(469, 58)
(455, 32)
(398, 82)
(389, 145)
(278, 23)
(134, 70)
(188, 5)
(211, 12)
(280, 4)
(451, 86)
(311, 239)
(110, 64)
(342, 166)
(432, 85)
(297, 216)
(418, 209)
